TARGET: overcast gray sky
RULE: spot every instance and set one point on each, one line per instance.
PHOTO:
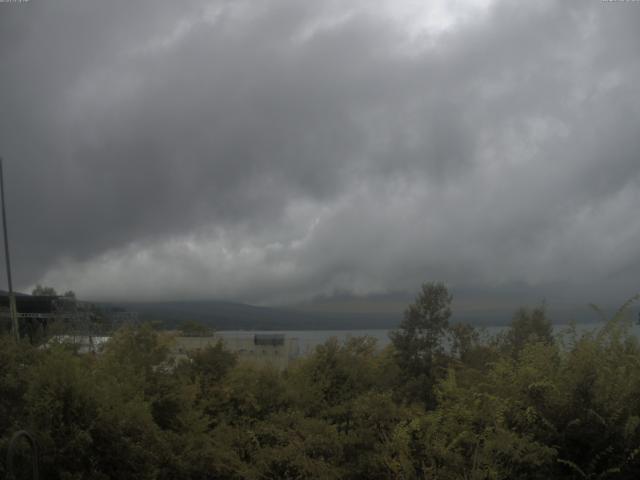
(271, 151)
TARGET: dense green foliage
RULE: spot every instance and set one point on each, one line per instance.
(523, 405)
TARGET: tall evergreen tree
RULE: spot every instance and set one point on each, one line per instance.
(419, 338)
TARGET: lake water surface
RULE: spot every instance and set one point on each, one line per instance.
(308, 340)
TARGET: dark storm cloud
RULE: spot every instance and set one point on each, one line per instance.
(270, 151)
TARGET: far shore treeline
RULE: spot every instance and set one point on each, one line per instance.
(527, 403)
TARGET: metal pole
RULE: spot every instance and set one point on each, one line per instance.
(12, 297)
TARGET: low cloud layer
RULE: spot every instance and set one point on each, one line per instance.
(278, 150)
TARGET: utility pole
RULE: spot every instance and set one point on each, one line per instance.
(12, 297)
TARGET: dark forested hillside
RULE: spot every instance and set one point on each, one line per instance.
(240, 316)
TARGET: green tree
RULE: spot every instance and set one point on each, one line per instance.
(210, 363)
(44, 291)
(528, 326)
(419, 339)
(191, 328)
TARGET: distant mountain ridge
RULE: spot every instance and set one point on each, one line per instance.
(225, 315)
(326, 315)
(222, 315)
